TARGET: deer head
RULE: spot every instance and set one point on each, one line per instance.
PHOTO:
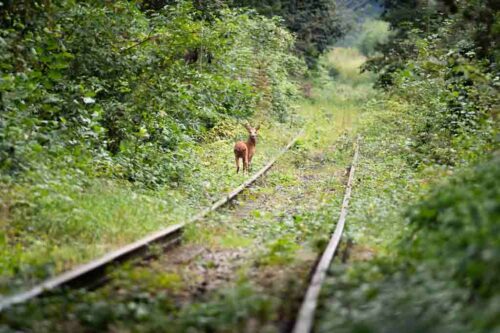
(252, 131)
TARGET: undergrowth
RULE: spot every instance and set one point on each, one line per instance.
(423, 222)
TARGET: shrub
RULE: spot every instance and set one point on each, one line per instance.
(128, 88)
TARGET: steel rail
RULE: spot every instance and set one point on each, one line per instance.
(87, 274)
(305, 319)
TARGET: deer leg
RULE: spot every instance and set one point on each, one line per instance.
(237, 159)
(245, 164)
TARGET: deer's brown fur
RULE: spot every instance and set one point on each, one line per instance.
(246, 150)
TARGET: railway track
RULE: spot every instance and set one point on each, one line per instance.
(95, 272)
(305, 318)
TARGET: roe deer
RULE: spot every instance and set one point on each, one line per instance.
(246, 150)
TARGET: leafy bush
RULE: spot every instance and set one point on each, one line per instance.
(444, 275)
(127, 89)
(444, 75)
(456, 228)
(373, 33)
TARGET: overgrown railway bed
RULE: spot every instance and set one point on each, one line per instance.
(95, 272)
(160, 250)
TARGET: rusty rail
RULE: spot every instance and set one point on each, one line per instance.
(305, 318)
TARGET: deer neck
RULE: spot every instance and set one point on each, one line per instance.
(251, 142)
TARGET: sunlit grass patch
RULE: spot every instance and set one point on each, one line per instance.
(346, 59)
(69, 226)
(344, 64)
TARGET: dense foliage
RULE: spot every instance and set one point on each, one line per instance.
(456, 229)
(438, 272)
(96, 96)
(448, 75)
(469, 29)
(315, 22)
(108, 86)
(443, 276)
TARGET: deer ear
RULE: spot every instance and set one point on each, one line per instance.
(258, 127)
(247, 126)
